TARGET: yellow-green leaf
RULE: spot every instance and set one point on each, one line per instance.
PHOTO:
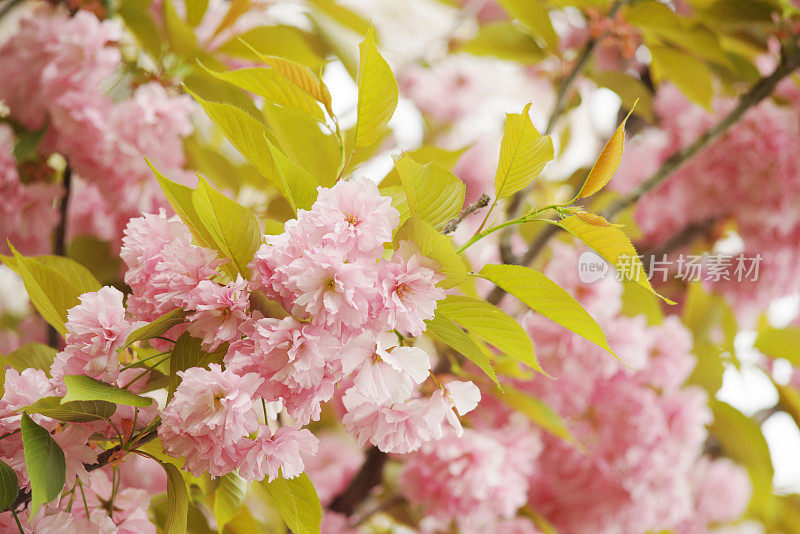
(504, 40)
(399, 200)
(377, 92)
(44, 460)
(84, 388)
(72, 412)
(688, 73)
(233, 227)
(436, 246)
(607, 162)
(523, 154)
(299, 185)
(50, 291)
(298, 503)
(466, 344)
(32, 355)
(780, 343)
(9, 485)
(156, 327)
(135, 14)
(180, 198)
(533, 14)
(273, 86)
(492, 325)
(246, 133)
(187, 353)
(537, 411)
(434, 194)
(79, 276)
(177, 500)
(180, 35)
(543, 295)
(611, 243)
(228, 498)
(195, 11)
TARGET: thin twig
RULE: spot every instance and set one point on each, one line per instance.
(59, 240)
(790, 60)
(472, 208)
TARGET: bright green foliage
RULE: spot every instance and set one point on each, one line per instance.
(73, 411)
(299, 186)
(50, 291)
(543, 295)
(780, 343)
(156, 328)
(610, 242)
(177, 500)
(84, 388)
(297, 502)
(434, 194)
(504, 40)
(233, 227)
(492, 325)
(377, 92)
(228, 498)
(533, 14)
(44, 460)
(466, 343)
(523, 154)
(9, 485)
(180, 198)
(32, 355)
(436, 246)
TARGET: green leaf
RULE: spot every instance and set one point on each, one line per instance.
(629, 89)
(195, 11)
(96, 255)
(741, 440)
(177, 500)
(492, 325)
(436, 246)
(84, 388)
(72, 412)
(185, 354)
(32, 355)
(399, 200)
(9, 485)
(689, 74)
(780, 343)
(79, 276)
(543, 295)
(273, 86)
(377, 92)
(422, 155)
(523, 154)
(612, 244)
(50, 291)
(466, 344)
(135, 14)
(297, 501)
(533, 14)
(537, 411)
(228, 498)
(28, 143)
(246, 133)
(44, 460)
(155, 328)
(233, 227)
(607, 162)
(180, 35)
(504, 40)
(434, 194)
(276, 41)
(299, 186)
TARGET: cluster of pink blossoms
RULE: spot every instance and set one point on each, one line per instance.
(61, 67)
(350, 313)
(757, 192)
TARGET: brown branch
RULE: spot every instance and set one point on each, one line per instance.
(59, 240)
(472, 208)
(790, 60)
(367, 478)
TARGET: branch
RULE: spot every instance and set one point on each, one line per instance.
(59, 240)
(472, 208)
(103, 459)
(368, 477)
(758, 92)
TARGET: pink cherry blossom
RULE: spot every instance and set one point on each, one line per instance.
(218, 311)
(210, 415)
(74, 443)
(281, 453)
(393, 372)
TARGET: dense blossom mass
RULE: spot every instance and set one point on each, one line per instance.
(271, 328)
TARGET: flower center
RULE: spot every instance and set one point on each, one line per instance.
(330, 284)
(403, 289)
(351, 219)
